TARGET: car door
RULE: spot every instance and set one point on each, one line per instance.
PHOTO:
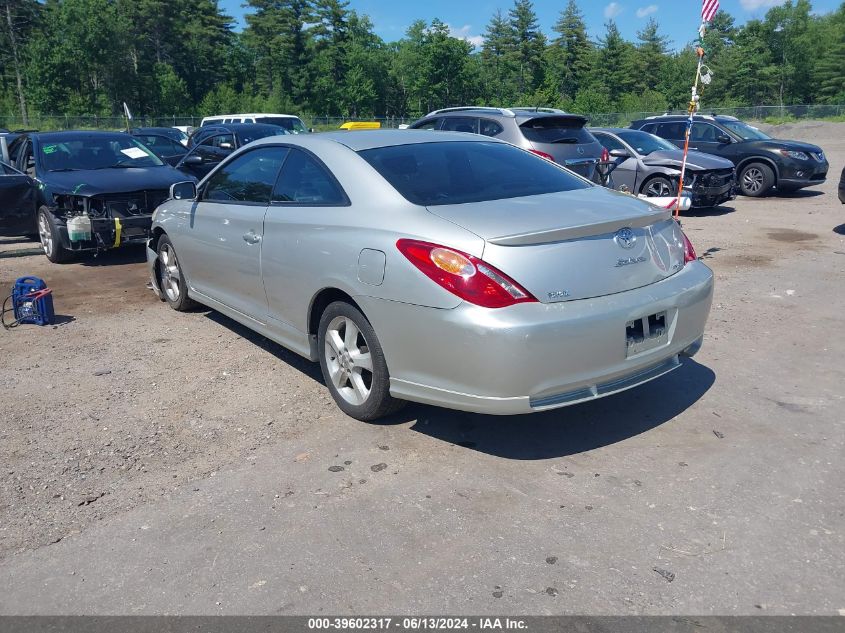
(625, 172)
(221, 245)
(673, 131)
(168, 150)
(707, 138)
(17, 202)
(304, 235)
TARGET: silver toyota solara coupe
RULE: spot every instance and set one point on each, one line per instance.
(438, 267)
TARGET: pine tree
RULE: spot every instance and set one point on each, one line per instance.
(568, 55)
(530, 43)
(497, 56)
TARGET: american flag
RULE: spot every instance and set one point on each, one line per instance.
(708, 9)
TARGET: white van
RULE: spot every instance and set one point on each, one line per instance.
(293, 124)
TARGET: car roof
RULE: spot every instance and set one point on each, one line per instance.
(153, 129)
(613, 130)
(371, 139)
(75, 135)
(238, 127)
(250, 115)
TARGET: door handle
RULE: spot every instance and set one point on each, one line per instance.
(252, 237)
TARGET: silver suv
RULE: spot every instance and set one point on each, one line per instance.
(548, 132)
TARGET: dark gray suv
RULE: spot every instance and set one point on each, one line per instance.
(552, 134)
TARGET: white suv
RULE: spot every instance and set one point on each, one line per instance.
(292, 124)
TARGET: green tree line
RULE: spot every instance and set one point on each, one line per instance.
(164, 57)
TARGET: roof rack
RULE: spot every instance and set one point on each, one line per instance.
(503, 111)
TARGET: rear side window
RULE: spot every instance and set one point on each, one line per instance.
(247, 178)
(556, 130)
(458, 172)
(305, 181)
(490, 128)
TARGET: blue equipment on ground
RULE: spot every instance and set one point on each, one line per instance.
(32, 302)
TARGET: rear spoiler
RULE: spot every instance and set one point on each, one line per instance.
(550, 121)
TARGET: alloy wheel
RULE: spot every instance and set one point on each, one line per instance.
(752, 180)
(45, 234)
(348, 360)
(658, 189)
(171, 276)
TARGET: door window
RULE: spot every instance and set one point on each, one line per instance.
(461, 124)
(431, 124)
(248, 178)
(703, 133)
(307, 182)
(675, 130)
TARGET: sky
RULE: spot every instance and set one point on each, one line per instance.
(678, 19)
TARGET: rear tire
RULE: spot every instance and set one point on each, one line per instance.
(353, 364)
(50, 238)
(756, 179)
(171, 279)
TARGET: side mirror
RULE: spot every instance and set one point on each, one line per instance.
(193, 159)
(186, 190)
(619, 153)
(723, 139)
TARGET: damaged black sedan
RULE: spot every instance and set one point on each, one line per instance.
(95, 190)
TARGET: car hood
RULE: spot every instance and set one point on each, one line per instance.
(93, 182)
(797, 146)
(695, 160)
(775, 144)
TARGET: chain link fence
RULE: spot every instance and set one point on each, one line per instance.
(765, 113)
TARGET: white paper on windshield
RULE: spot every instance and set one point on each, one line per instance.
(134, 152)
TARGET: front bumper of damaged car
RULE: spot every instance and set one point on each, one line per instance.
(108, 230)
(707, 189)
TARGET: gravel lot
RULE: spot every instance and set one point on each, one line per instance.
(157, 462)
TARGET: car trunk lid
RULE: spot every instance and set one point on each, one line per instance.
(576, 244)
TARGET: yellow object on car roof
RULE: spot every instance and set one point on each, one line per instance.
(361, 125)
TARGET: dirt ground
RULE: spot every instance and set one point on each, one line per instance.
(135, 438)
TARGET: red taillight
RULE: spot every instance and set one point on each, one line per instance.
(463, 275)
(542, 154)
(605, 155)
(689, 251)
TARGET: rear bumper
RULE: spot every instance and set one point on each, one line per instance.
(533, 357)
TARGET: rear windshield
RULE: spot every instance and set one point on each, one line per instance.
(459, 172)
(292, 124)
(556, 130)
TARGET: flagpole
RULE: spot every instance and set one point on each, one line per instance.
(708, 10)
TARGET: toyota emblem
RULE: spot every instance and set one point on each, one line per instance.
(625, 238)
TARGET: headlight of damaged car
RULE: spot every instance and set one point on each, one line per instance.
(795, 155)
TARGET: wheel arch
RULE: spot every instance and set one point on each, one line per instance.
(319, 304)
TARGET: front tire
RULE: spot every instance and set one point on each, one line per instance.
(658, 187)
(171, 279)
(50, 238)
(756, 179)
(353, 364)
